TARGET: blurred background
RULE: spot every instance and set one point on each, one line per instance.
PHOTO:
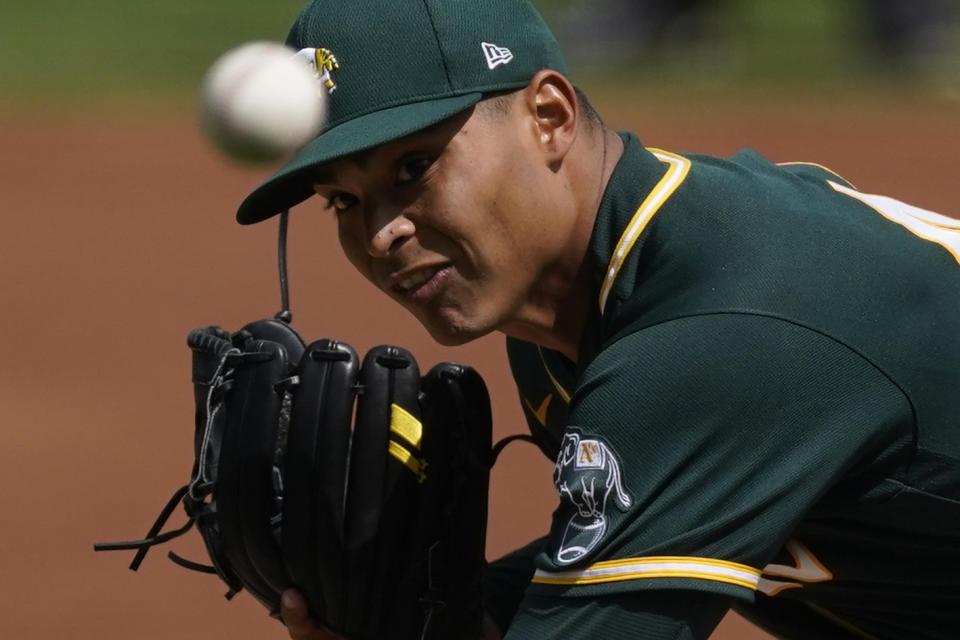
(118, 238)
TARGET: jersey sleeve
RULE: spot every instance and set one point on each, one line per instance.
(696, 446)
(690, 615)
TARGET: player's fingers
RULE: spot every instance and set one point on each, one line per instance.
(296, 615)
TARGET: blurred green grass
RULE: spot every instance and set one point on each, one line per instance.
(69, 54)
(750, 47)
(85, 50)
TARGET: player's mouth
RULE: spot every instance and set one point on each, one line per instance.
(421, 285)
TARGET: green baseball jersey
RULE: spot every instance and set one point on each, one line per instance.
(764, 412)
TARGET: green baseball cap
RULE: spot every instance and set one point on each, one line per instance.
(394, 67)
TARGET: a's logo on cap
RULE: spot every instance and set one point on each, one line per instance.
(496, 55)
(323, 63)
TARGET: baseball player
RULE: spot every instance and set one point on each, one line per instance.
(748, 373)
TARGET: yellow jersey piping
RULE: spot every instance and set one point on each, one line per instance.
(676, 173)
(564, 395)
(629, 569)
(814, 164)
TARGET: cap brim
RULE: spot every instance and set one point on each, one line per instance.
(291, 184)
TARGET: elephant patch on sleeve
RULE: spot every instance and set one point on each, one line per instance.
(586, 475)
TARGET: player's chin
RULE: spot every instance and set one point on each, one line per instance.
(452, 330)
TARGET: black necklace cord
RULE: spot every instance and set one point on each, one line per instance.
(284, 313)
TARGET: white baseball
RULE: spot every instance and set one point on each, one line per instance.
(260, 103)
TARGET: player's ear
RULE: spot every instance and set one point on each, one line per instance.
(552, 101)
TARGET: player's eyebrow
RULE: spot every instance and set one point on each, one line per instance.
(326, 175)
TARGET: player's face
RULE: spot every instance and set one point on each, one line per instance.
(449, 222)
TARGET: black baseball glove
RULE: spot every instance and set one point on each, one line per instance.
(362, 484)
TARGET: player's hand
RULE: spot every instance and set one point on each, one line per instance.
(296, 615)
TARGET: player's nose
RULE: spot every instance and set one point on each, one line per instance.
(387, 228)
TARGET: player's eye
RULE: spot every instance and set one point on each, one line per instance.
(341, 201)
(413, 168)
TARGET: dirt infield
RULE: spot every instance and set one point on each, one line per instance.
(118, 239)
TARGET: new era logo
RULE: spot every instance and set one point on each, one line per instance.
(496, 55)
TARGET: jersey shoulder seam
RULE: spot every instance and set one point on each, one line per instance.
(623, 333)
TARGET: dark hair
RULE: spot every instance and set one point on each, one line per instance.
(588, 110)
